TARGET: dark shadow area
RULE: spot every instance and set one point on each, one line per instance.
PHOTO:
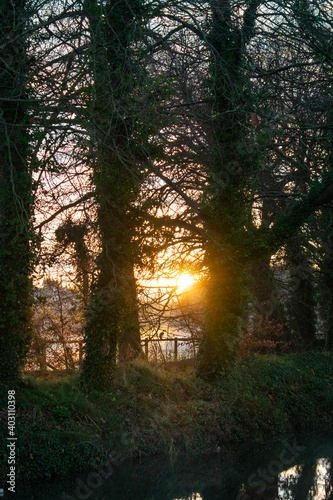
(253, 472)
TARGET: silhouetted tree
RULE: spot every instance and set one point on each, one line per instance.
(16, 236)
(112, 316)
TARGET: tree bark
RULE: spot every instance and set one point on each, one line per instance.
(15, 194)
(225, 212)
(112, 313)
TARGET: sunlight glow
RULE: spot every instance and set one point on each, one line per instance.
(179, 283)
(184, 281)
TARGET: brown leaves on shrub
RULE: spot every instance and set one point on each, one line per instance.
(268, 337)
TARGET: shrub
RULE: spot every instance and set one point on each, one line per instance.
(267, 338)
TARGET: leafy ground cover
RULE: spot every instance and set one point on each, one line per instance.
(166, 410)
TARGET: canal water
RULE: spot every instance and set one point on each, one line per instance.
(292, 469)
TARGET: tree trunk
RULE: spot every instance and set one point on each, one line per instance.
(112, 313)
(306, 481)
(219, 346)
(226, 207)
(130, 338)
(15, 194)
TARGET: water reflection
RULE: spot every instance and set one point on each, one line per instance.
(246, 474)
(307, 481)
(288, 482)
(194, 496)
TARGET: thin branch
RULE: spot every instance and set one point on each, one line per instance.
(86, 197)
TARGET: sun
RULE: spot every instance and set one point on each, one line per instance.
(184, 281)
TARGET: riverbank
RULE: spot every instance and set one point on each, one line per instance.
(166, 411)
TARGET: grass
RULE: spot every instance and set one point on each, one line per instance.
(153, 410)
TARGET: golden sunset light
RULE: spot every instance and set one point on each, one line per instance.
(179, 282)
(184, 281)
(166, 249)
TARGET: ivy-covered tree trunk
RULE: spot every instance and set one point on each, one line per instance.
(263, 289)
(74, 233)
(15, 194)
(224, 301)
(226, 209)
(130, 339)
(112, 313)
(329, 322)
(234, 244)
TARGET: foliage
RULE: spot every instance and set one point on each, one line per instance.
(112, 317)
(57, 328)
(200, 131)
(16, 236)
(54, 437)
(269, 337)
(73, 234)
(151, 410)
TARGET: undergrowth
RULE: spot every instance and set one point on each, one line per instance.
(154, 410)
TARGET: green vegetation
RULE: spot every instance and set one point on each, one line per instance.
(16, 198)
(166, 410)
(139, 142)
(112, 316)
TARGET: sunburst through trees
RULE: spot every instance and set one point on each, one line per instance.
(163, 148)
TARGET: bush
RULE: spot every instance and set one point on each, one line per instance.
(267, 338)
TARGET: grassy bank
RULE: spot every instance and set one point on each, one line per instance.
(155, 410)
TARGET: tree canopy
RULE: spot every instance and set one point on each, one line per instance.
(147, 138)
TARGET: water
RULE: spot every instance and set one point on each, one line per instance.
(289, 470)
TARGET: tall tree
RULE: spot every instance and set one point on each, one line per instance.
(327, 280)
(16, 255)
(232, 166)
(112, 316)
(243, 149)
